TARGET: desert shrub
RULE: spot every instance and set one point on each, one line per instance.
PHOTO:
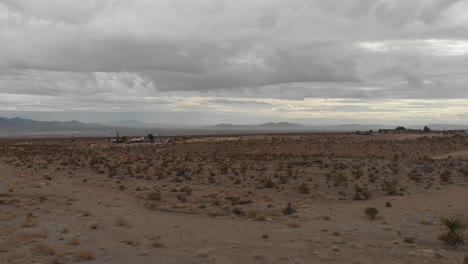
(372, 177)
(122, 222)
(372, 212)
(181, 171)
(243, 168)
(338, 179)
(417, 177)
(154, 196)
(445, 176)
(303, 188)
(289, 210)
(390, 188)
(186, 189)
(357, 174)
(261, 217)
(223, 168)
(83, 255)
(157, 244)
(268, 183)
(74, 241)
(40, 248)
(361, 193)
(454, 235)
(237, 211)
(252, 213)
(215, 213)
(293, 224)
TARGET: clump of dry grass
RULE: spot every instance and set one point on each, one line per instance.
(74, 241)
(83, 256)
(261, 217)
(252, 213)
(29, 222)
(157, 244)
(303, 188)
(5, 216)
(216, 213)
(14, 256)
(187, 190)
(152, 205)
(86, 213)
(293, 224)
(41, 248)
(122, 222)
(4, 248)
(24, 236)
(154, 196)
(130, 242)
(204, 253)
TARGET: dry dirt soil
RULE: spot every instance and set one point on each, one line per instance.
(225, 199)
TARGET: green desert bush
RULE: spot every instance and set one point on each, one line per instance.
(361, 193)
(372, 212)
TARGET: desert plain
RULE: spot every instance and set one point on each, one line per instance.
(297, 198)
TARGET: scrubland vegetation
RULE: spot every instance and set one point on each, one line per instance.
(307, 184)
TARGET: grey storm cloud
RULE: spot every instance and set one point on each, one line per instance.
(238, 102)
(101, 49)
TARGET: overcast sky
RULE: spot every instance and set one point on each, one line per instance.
(242, 62)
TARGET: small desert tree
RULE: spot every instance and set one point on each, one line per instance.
(150, 137)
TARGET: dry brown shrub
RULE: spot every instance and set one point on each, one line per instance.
(216, 213)
(122, 222)
(293, 224)
(41, 248)
(4, 248)
(154, 196)
(261, 217)
(74, 241)
(83, 256)
(157, 244)
(204, 253)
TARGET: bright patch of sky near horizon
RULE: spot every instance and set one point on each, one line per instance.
(220, 61)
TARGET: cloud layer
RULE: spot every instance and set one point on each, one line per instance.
(233, 58)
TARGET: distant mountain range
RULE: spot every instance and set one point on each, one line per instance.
(12, 126)
(266, 126)
(285, 126)
(295, 127)
(128, 123)
(17, 123)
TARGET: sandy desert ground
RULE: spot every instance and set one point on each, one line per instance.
(225, 199)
